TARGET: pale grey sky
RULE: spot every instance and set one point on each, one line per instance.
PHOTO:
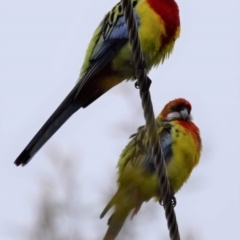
(42, 46)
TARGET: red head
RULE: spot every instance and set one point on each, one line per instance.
(178, 109)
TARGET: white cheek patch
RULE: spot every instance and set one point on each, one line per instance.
(173, 115)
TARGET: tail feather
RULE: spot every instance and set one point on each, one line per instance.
(136, 209)
(69, 106)
(115, 223)
(119, 216)
(123, 202)
(111, 203)
(89, 88)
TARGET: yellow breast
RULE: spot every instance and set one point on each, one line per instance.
(185, 157)
(151, 32)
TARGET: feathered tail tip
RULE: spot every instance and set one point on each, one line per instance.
(115, 223)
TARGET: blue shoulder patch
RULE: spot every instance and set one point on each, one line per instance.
(112, 35)
(166, 143)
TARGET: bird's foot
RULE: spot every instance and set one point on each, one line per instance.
(146, 85)
(136, 85)
(173, 200)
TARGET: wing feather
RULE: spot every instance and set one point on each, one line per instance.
(137, 152)
(113, 35)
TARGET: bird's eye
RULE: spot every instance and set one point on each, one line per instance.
(173, 108)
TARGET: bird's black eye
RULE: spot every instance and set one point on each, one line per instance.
(173, 108)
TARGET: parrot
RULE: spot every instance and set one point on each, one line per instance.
(137, 179)
(108, 60)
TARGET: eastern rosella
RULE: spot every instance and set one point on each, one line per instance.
(108, 60)
(137, 179)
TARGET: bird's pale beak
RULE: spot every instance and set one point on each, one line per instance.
(184, 114)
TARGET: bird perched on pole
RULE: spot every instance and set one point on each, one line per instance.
(108, 60)
(137, 179)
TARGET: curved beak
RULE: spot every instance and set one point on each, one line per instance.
(184, 114)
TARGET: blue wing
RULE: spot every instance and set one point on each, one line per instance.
(142, 154)
(112, 37)
(114, 31)
(165, 139)
(166, 143)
